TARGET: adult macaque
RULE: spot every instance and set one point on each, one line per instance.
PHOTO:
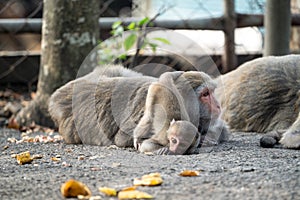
(263, 95)
(114, 105)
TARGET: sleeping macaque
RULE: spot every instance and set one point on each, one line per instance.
(263, 95)
(114, 105)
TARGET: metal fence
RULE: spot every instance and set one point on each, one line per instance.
(201, 20)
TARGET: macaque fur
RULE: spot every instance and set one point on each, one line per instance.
(114, 105)
(263, 95)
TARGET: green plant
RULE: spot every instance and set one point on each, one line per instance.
(136, 34)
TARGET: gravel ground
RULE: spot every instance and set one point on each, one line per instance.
(238, 169)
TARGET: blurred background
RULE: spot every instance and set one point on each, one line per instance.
(201, 21)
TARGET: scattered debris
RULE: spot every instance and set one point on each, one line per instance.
(114, 165)
(37, 156)
(81, 157)
(135, 194)
(24, 158)
(36, 139)
(56, 159)
(108, 191)
(189, 173)
(152, 179)
(73, 188)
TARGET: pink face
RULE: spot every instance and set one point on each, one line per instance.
(207, 97)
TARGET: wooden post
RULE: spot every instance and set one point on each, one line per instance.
(229, 58)
(277, 22)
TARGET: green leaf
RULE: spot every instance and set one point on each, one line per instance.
(143, 21)
(131, 26)
(162, 40)
(122, 57)
(116, 24)
(129, 41)
(153, 46)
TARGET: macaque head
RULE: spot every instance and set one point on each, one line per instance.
(183, 137)
(209, 102)
(204, 86)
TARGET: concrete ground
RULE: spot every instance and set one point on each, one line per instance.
(238, 169)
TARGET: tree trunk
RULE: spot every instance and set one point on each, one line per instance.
(295, 31)
(277, 22)
(229, 58)
(70, 31)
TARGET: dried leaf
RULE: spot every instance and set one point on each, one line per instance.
(73, 188)
(55, 159)
(189, 173)
(24, 158)
(131, 188)
(108, 191)
(152, 179)
(12, 123)
(135, 194)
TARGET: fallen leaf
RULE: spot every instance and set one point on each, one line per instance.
(135, 194)
(12, 123)
(24, 158)
(152, 179)
(73, 188)
(108, 191)
(189, 173)
(55, 159)
(131, 188)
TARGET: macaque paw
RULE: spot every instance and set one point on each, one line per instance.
(291, 139)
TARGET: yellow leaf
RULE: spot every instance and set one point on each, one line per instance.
(152, 179)
(129, 188)
(73, 188)
(135, 194)
(24, 158)
(108, 191)
(189, 173)
(55, 159)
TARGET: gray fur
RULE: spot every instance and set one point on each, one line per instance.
(263, 96)
(114, 105)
